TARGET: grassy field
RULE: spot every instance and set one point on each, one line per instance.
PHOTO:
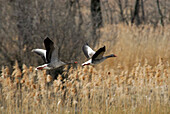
(137, 81)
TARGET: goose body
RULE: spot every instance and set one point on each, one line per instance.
(49, 56)
(95, 57)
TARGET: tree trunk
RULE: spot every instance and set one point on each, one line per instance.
(96, 14)
(160, 13)
(97, 20)
(80, 16)
(121, 11)
(136, 13)
(143, 12)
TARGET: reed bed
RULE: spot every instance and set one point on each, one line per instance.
(137, 81)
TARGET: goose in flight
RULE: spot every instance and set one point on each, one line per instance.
(95, 57)
(49, 56)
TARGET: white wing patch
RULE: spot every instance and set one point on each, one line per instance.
(90, 52)
(41, 52)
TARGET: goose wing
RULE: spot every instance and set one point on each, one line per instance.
(88, 52)
(51, 53)
(99, 53)
(41, 52)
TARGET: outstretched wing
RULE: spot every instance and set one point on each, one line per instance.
(99, 53)
(41, 52)
(51, 54)
(88, 52)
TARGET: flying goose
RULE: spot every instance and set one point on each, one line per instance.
(94, 57)
(49, 56)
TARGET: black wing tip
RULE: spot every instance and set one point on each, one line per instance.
(86, 43)
(48, 40)
(103, 48)
(84, 48)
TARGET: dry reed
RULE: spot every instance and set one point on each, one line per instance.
(137, 81)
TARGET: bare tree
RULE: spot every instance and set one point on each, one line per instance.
(70, 23)
(136, 13)
(160, 12)
(121, 10)
(97, 21)
(96, 14)
(123, 19)
(143, 12)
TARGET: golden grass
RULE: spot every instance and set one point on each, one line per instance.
(137, 81)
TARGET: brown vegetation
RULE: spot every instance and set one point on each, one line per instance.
(24, 24)
(137, 81)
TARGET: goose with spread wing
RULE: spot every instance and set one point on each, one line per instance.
(49, 56)
(95, 57)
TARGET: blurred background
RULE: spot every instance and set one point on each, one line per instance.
(25, 24)
(136, 81)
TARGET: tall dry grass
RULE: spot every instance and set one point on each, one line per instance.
(137, 81)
